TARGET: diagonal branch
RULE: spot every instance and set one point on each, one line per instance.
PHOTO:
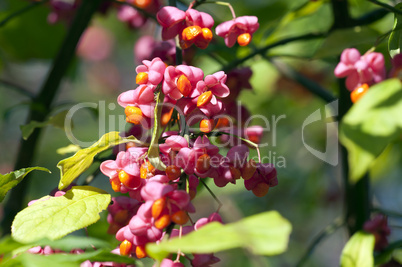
(44, 100)
(386, 6)
(327, 231)
(264, 50)
(310, 85)
(21, 11)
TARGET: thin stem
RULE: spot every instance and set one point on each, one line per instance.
(386, 6)
(327, 231)
(212, 193)
(370, 17)
(310, 85)
(364, 20)
(21, 11)
(179, 252)
(197, 3)
(44, 100)
(17, 88)
(224, 4)
(241, 138)
(389, 213)
(265, 49)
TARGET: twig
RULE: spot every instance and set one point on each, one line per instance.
(386, 6)
(330, 229)
(387, 212)
(18, 88)
(371, 17)
(44, 101)
(310, 85)
(218, 3)
(265, 49)
(212, 193)
(196, 3)
(21, 11)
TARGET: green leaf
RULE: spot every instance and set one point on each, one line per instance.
(153, 151)
(371, 124)
(398, 255)
(395, 38)
(263, 234)
(54, 217)
(56, 121)
(7, 245)
(10, 180)
(73, 166)
(306, 9)
(393, 250)
(68, 243)
(62, 259)
(358, 251)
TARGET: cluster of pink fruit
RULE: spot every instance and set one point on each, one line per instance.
(160, 196)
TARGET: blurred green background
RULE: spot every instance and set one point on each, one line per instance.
(309, 193)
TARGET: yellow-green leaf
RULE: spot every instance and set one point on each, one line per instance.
(358, 251)
(54, 217)
(263, 234)
(371, 124)
(75, 165)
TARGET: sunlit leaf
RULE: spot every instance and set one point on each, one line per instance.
(68, 243)
(398, 255)
(153, 151)
(395, 38)
(263, 234)
(75, 165)
(54, 217)
(358, 251)
(10, 180)
(371, 124)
